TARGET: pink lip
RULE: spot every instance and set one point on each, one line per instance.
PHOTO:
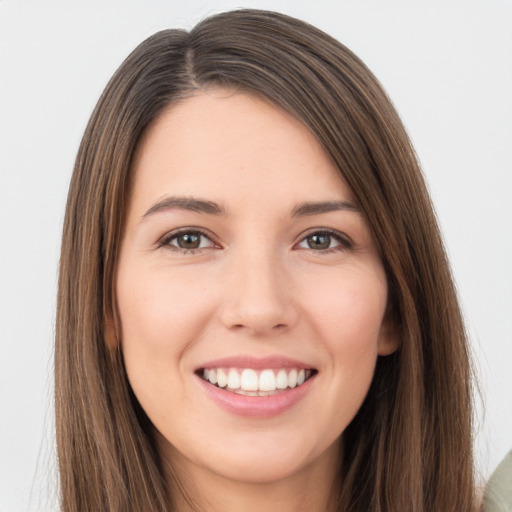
(256, 406)
(256, 363)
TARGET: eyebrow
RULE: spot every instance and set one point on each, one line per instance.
(186, 203)
(315, 208)
(211, 208)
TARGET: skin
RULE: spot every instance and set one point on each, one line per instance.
(256, 286)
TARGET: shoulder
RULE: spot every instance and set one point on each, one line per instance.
(498, 492)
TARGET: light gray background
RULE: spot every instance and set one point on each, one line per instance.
(447, 66)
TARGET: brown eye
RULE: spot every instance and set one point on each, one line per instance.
(325, 241)
(188, 241)
(319, 241)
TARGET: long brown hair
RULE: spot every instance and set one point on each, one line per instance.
(409, 448)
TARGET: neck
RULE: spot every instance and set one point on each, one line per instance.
(314, 488)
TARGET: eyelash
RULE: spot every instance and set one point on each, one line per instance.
(343, 241)
(165, 241)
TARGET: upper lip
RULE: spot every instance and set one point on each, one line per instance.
(256, 363)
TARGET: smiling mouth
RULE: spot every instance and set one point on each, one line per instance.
(251, 382)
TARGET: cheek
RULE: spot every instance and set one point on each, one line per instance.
(162, 316)
(349, 326)
(348, 310)
(160, 310)
(346, 319)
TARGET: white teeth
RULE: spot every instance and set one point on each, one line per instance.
(249, 380)
(233, 379)
(212, 376)
(282, 380)
(267, 381)
(222, 379)
(292, 378)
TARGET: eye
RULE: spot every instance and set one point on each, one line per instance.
(325, 241)
(187, 241)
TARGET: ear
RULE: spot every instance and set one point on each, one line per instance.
(389, 337)
(110, 329)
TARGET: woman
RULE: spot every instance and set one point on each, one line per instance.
(255, 307)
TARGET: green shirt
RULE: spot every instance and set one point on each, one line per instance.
(498, 492)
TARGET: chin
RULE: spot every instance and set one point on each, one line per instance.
(261, 468)
(260, 457)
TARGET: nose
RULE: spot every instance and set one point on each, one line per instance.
(258, 296)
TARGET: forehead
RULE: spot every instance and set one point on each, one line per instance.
(232, 146)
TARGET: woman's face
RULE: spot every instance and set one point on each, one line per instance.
(246, 261)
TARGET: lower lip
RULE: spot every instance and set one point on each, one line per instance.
(257, 406)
